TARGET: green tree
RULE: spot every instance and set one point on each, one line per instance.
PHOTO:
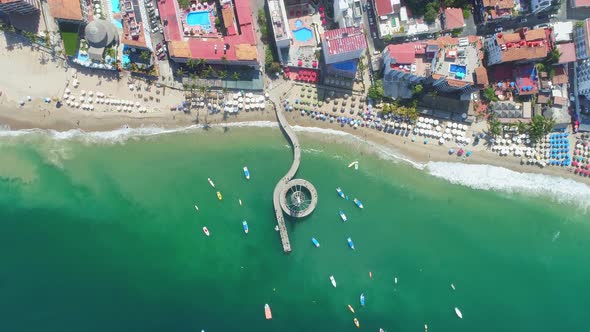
(191, 63)
(466, 13)
(494, 126)
(554, 56)
(387, 38)
(223, 74)
(145, 55)
(522, 127)
(236, 76)
(180, 72)
(539, 127)
(418, 88)
(184, 3)
(489, 95)
(376, 91)
(431, 12)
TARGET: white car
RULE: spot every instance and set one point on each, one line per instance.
(155, 29)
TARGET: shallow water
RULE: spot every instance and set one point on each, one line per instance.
(99, 235)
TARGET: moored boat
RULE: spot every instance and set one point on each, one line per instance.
(333, 281)
(358, 203)
(267, 312)
(352, 164)
(362, 299)
(342, 215)
(356, 323)
(196, 207)
(211, 182)
(315, 242)
(350, 243)
(395, 280)
(246, 173)
(239, 200)
(381, 330)
(351, 308)
(453, 286)
(370, 274)
(340, 192)
(219, 195)
(245, 224)
(206, 231)
(458, 312)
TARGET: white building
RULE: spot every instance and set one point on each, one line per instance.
(348, 13)
(538, 6)
(584, 78)
(563, 31)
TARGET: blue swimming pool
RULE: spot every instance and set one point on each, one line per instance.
(345, 66)
(199, 18)
(118, 23)
(458, 70)
(115, 6)
(125, 60)
(303, 34)
(83, 58)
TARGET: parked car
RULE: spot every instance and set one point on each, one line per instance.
(553, 16)
(162, 56)
(499, 29)
(523, 20)
(158, 46)
(374, 35)
(161, 30)
(155, 29)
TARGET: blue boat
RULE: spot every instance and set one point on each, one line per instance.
(350, 243)
(315, 242)
(340, 192)
(358, 203)
(245, 224)
(246, 173)
(363, 299)
(342, 215)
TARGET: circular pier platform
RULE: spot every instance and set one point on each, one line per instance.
(298, 198)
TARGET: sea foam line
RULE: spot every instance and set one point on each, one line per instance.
(487, 177)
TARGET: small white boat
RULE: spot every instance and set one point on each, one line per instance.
(246, 173)
(333, 281)
(458, 312)
(211, 182)
(352, 164)
(395, 280)
(425, 327)
(277, 228)
(340, 192)
(453, 286)
(206, 231)
(239, 200)
(196, 207)
(358, 203)
(267, 312)
(342, 215)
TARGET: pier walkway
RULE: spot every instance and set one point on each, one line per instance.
(282, 184)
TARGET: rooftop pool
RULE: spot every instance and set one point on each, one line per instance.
(200, 18)
(303, 34)
(115, 6)
(458, 70)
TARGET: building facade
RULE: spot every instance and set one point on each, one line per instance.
(538, 6)
(348, 13)
(19, 6)
(342, 49)
(522, 46)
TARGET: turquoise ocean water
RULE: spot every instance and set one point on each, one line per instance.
(103, 236)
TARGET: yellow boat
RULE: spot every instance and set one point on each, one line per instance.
(219, 195)
(356, 322)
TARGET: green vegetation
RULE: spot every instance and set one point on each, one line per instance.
(418, 88)
(184, 3)
(404, 109)
(180, 72)
(579, 24)
(488, 94)
(539, 127)
(456, 32)
(387, 38)
(145, 55)
(431, 12)
(70, 40)
(223, 74)
(376, 91)
(553, 56)
(466, 13)
(494, 126)
(262, 25)
(236, 76)
(270, 65)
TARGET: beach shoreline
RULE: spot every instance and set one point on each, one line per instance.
(38, 115)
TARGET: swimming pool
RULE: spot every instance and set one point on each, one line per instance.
(199, 18)
(125, 60)
(298, 24)
(118, 23)
(303, 34)
(458, 70)
(345, 66)
(115, 6)
(83, 58)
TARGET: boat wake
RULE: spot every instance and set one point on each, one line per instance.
(486, 177)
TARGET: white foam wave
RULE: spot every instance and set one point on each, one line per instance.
(488, 177)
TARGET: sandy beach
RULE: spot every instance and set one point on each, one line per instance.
(34, 73)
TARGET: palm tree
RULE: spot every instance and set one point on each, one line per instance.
(191, 63)
(180, 72)
(495, 127)
(554, 56)
(145, 55)
(201, 62)
(223, 74)
(236, 76)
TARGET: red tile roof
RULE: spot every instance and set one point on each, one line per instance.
(481, 77)
(345, 40)
(66, 9)
(560, 75)
(384, 7)
(568, 52)
(500, 4)
(405, 54)
(581, 3)
(454, 18)
(535, 34)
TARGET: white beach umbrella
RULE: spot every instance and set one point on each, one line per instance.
(441, 141)
(436, 122)
(118, 108)
(83, 92)
(137, 104)
(81, 98)
(90, 100)
(455, 126)
(90, 93)
(77, 105)
(420, 119)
